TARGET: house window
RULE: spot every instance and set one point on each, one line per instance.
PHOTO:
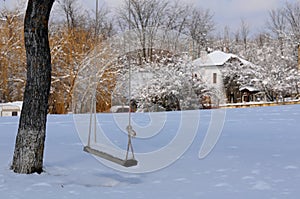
(214, 78)
(14, 113)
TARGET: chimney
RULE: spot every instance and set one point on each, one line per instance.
(203, 53)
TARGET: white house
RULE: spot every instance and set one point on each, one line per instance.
(10, 109)
(209, 67)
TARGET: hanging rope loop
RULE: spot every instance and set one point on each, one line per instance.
(131, 131)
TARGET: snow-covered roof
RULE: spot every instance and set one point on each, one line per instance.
(9, 108)
(217, 58)
(12, 104)
(119, 109)
(249, 88)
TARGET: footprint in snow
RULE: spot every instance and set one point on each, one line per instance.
(248, 178)
(261, 186)
(291, 167)
(42, 184)
(223, 185)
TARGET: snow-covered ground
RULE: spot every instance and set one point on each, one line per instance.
(257, 156)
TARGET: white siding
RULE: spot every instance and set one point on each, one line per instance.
(207, 72)
(9, 110)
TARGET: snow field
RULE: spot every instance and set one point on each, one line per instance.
(256, 157)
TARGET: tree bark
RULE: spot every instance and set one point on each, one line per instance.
(29, 147)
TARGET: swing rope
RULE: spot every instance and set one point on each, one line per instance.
(130, 131)
(128, 162)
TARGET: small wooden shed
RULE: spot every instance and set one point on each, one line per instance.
(247, 93)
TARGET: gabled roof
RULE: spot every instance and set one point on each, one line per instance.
(217, 58)
(249, 88)
(12, 104)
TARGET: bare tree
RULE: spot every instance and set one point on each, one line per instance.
(200, 26)
(70, 43)
(68, 51)
(284, 26)
(29, 147)
(292, 12)
(177, 16)
(144, 17)
(12, 54)
(70, 9)
(237, 36)
(102, 24)
(153, 18)
(176, 20)
(277, 24)
(226, 39)
(245, 31)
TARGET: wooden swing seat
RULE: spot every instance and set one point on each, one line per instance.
(109, 157)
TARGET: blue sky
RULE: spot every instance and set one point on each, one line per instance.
(226, 12)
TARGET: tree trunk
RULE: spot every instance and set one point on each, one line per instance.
(29, 147)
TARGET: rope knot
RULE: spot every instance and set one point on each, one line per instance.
(131, 131)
